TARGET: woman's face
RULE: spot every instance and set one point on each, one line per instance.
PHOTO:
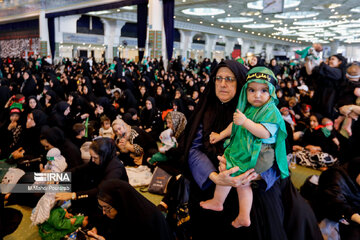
(169, 123)
(107, 209)
(95, 158)
(159, 90)
(195, 95)
(225, 90)
(85, 90)
(148, 105)
(273, 63)
(120, 130)
(46, 144)
(334, 62)
(313, 122)
(177, 94)
(253, 61)
(142, 90)
(32, 103)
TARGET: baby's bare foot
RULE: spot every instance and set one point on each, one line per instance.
(241, 222)
(212, 204)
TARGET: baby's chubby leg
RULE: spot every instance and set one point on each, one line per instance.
(245, 196)
(216, 203)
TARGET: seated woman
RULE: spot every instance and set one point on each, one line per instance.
(134, 142)
(339, 198)
(317, 149)
(128, 214)
(150, 118)
(104, 165)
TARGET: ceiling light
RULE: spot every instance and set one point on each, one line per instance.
(229, 15)
(296, 15)
(235, 20)
(259, 4)
(334, 5)
(222, 26)
(230, 6)
(311, 22)
(212, 24)
(188, 20)
(118, 10)
(230, 28)
(357, 10)
(99, 12)
(261, 25)
(250, 13)
(203, 11)
(129, 7)
(183, 0)
(201, 22)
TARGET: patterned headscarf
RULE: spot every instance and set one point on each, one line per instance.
(179, 122)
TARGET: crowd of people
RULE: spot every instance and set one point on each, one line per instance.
(133, 114)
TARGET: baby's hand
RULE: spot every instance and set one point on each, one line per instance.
(214, 137)
(239, 118)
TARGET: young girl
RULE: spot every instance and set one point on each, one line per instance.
(257, 140)
(106, 129)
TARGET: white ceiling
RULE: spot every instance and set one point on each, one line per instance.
(334, 20)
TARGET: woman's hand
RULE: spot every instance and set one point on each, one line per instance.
(18, 153)
(93, 233)
(313, 149)
(297, 148)
(223, 178)
(63, 196)
(346, 109)
(355, 218)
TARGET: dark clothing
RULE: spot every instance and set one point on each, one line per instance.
(317, 138)
(339, 197)
(327, 80)
(137, 217)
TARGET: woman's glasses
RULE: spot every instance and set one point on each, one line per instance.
(105, 209)
(227, 79)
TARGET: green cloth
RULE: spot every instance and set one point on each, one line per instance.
(244, 147)
(57, 226)
(158, 157)
(303, 53)
(326, 131)
(112, 66)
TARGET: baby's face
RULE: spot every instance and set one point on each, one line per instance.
(106, 125)
(257, 94)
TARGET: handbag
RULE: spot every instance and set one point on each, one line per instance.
(159, 181)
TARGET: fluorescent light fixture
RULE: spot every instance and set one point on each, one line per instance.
(357, 10)
(250, 13)
(133, 7)
(263, 25)
(235, 20)
(99, 12)
(311, 22)
(259, 4)
(297, 15)
(203, 11)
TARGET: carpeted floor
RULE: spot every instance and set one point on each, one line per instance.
(27, 232)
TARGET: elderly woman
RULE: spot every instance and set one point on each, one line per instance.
(214, 113)
(104, 165)
(128, 214)
(135, 142)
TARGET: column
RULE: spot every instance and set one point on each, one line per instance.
(229, 46)
(245, 47)
(258, 47)
(334, 47)
(112, 33)
(156, 38)
(44, 34)
(269, 51)
(186, 38)
(210, 42)
(67, 24)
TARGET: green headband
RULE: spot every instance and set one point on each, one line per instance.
(261, 73)
(50, 158)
